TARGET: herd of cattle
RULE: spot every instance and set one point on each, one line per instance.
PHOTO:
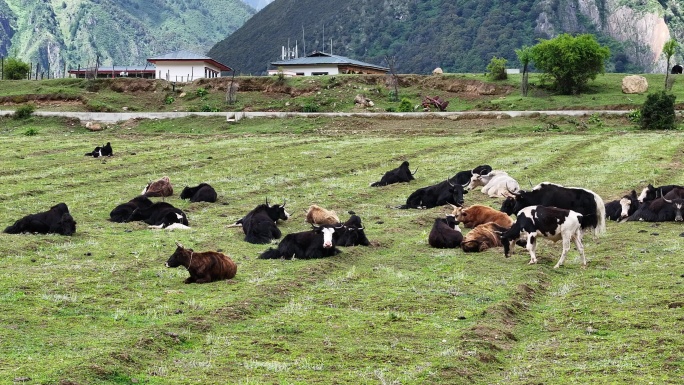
(547, 210)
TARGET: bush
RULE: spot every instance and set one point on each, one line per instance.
(201, 92)
(169, 99)
(15, 69)
(31, 131)
(658, 112)
(496, 69)
(405, 106)
(24, 111)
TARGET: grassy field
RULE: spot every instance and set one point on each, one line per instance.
(100, 307)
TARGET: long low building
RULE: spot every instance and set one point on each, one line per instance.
(321, 63)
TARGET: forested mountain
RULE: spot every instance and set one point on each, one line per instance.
(75, 33)
(457, 35)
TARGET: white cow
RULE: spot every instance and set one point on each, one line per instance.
(496, 184)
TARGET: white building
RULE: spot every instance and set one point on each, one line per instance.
(321, 63)
(185, 66)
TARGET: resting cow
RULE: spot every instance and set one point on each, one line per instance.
(316, 243)
(664, 209)
(200, 193)
(203, 267)
(317, 215)
(622, 208)
(401, 174)
(435, 195)
(160, 214)
(57, 220)
(482, 237)
(476, 215)
(105, 150)
(496, 184)
(122, 213)
(650, 193)
(159, 188)
(445, 233)
(463, 177)
(351, 233)
(550, 222)
(259, 225)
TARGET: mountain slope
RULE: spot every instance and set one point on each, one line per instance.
(457, 35)
(73, 33)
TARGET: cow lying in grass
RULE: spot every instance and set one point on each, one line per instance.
(105, 150)
(350, 233)
(203, 267)
(622, 208)
(122, 213)
(159, 188)
(666, 208)
(401, 174)
(445, 233)
(317, 215)
(160, 215)
(200, 193)
(475, 215)
(57, 220)
(496, 184)
(483, 237)
(259, 225)
(316, 243)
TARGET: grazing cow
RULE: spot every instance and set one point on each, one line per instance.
(201, 193)
(550, 222)
(622, 208)
(585, 202)
(161, 214)
(476, 215)
(122, 212)
(400, 174)
(435, 195)
(463, 177)
(483, 237)
(317, 215)
(351, 233)
(203, 267)
(650, 193)
(676, 69)
(159, 188)
(664, 209)
(105, 150)
(445, 233)
(496, 184)
(57, 220)
(316, 243)
(259, 225)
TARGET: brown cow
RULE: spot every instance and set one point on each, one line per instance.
(317, 215)
(203, 267)
(159, 188)
(483, 237)
(476, 215)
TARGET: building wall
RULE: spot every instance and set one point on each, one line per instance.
(185, 71)
(308, 70)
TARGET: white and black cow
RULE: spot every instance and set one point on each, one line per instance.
(160, 214)
(401, 174)
(105, 150)
(57, 220)
(650, 193)
(676, 69)
(122, 213)
(436, 195)
(585, 202)
(259, 225)
(200, 193)
(316, 243)
(664, 209)
(463, 177)
(550, 222)
(622, 208)
(445, 233)
(350, 233)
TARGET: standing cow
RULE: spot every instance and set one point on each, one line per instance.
(203, 267)
(550, 222)
(401, 174)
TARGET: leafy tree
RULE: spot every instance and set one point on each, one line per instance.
(496, 69)
(15, 69)
(570, 60)
(525, 57)
(658, 112)
(669, 49)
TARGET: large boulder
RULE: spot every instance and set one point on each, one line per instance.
(634, 84)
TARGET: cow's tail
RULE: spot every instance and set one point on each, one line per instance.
(271, 253)
(600, 228)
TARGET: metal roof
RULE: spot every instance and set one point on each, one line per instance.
(324, 58)
(136, 68)
(183, 55)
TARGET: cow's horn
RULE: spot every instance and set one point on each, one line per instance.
(414, 173)
(511, 192)
(530, 182)
(450, 184)
(667, 200)
(267, 202)
(179, 245)
(284, 202)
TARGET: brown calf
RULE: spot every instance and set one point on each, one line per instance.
(483, 237)
(203, 267)
(476, 215)
(317, 215)
(159, 188)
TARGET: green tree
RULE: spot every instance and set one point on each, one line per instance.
(15, 69)
(525, 57)
(496, 69)
(658, 112)
(669, 49)
(570, 60)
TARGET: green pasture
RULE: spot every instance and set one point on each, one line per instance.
(100, 307)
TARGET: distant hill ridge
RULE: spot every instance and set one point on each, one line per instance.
(458, 36)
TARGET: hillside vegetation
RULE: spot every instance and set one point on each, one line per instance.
(100, 307)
